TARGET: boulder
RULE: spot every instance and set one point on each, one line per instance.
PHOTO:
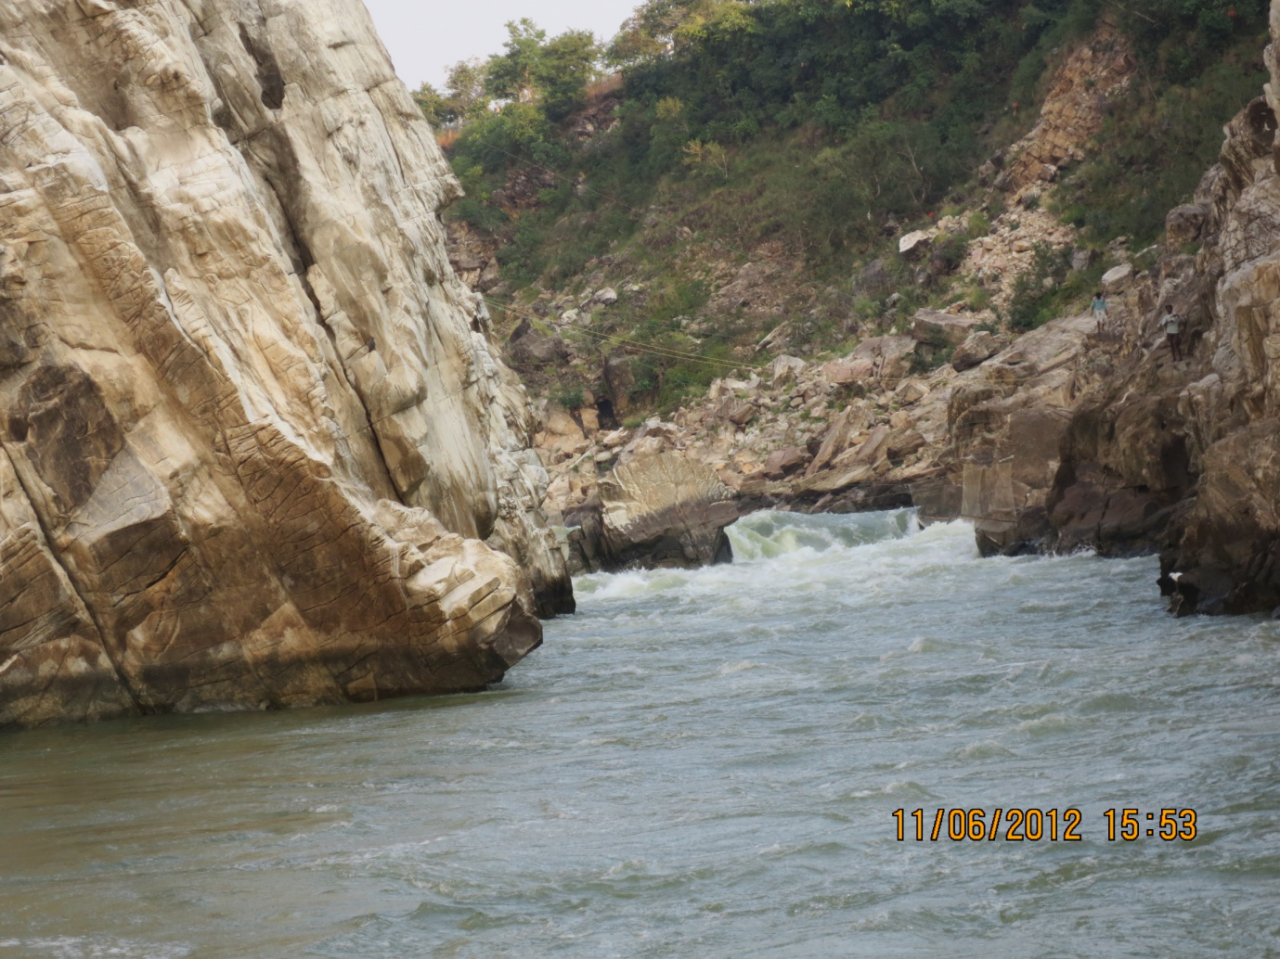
(785, 369)
(871, 451)
(941, 329)
(605, 297)
(901, 445)
(910, 392)
(530, 348)
(874, 278)
(664, 510)
(977, 348)
(737, 411)
(1082, 259)
(890, 357)
(784, 462)
(847, 424)
(849, 370)
(1227, 556)
(914, 245)
(1117, 279)
(620, 380)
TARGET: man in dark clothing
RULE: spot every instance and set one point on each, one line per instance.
(1172, 324)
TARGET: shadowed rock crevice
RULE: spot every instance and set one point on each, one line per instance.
(268, 72)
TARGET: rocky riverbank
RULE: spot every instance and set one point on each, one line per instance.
(1067, 437)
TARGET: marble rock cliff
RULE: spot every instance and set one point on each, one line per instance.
(255, 449)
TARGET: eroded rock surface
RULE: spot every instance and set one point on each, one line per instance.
(254, 438)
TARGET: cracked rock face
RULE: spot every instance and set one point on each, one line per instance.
(253, 438)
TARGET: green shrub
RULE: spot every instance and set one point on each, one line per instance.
(570, 397)
(978, 299)
(950, 249)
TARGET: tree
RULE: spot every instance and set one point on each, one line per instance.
(463, 98)
(430, 102)
(552, 73)
(465, 88)
(659, 26)
(566, 66)
(510, 75)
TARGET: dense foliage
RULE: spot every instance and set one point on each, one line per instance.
(904, 98)
(830, 126)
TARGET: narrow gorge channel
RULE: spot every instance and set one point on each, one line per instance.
(702, 763)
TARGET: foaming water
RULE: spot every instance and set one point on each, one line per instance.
(701, 763)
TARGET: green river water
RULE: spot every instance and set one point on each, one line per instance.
(703, 764)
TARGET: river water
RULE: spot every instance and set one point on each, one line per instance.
(703, 764)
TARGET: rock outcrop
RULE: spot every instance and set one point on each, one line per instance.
(658, 510)
(254, 438)
(1075, 104)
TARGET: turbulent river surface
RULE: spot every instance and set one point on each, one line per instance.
(704, 764)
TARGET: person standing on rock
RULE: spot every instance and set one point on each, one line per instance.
(1172, 324)
(1099, 308)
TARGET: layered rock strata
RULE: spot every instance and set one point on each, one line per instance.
(254, 439)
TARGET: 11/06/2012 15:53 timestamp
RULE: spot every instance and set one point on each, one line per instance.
(1031, 824)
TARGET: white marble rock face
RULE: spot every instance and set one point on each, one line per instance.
(253, 439)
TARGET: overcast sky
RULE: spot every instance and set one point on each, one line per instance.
(426, 37)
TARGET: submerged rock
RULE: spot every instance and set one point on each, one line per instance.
(254, 437)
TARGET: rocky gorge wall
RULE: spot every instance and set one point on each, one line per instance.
(1182, 456)
(255, 449)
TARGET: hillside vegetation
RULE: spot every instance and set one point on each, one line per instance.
(800, 139)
